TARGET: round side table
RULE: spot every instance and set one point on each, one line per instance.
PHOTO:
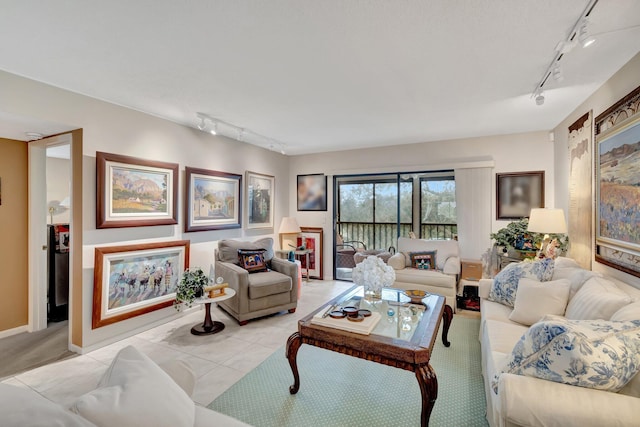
(209, 326)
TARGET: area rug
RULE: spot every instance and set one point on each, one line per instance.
(339, 390)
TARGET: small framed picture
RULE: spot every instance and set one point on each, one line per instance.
(312, 192)
(134, 192)
(136, 279)
(212, 200)
(517, 193)
(311, 239)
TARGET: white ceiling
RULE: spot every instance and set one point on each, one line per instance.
(322, 75)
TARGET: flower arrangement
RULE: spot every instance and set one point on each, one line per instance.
(515, 235)
(191, 286)
(373, 274)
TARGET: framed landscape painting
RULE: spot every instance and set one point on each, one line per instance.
(212, 200)
(133, 192)
(311, 238)
(517, 193)
(136, 279)
(260, 198)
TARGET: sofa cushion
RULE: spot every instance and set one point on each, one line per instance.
(425, 277)
(424, 260)
(627, 312)
(576, 275)
(505, 284)
(228, 249)
(252, 261)
(136, 392)
(596, 354)
(536, 299)
(598, 298)
(20, 407)
(268, 283)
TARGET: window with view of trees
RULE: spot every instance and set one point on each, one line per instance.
(438, 214)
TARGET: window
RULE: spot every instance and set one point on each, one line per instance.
(438, 214)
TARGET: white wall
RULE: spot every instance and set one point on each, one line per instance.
(113, 129)
(509, 153)
(619, 85)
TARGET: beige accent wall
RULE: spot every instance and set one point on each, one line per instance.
(619, 85)
(14, 309)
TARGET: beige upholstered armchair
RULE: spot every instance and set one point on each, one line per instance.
(258, 293)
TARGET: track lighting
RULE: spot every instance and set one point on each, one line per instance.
(214, 129)
(557, 73)
(583, 35)
(540, 98)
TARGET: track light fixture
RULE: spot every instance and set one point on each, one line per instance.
(235, 132)
(583, 35)
(540, 98)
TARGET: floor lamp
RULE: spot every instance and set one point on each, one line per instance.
(547, 221)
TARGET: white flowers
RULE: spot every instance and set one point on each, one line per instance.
(373, 274)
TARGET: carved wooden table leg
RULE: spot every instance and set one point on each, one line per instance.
(429, 388)
(447, 316)
(293, 344)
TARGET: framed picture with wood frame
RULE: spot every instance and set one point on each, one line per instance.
(311, 238)
(212, 200)
(136, 279)
(517, 193)
(133, 192)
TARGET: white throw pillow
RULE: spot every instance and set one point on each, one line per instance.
(505, 284)
(564, 262)
(627, 312)
(136, 392)
(576, 275)
(598, 298)
(536, 299)
(21, 407)
(596, 354)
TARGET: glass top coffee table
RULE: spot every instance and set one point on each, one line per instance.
(402, 337)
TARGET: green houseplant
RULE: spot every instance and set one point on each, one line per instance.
(190, 287)
(509, 235)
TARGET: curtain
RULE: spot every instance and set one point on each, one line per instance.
(473, 202)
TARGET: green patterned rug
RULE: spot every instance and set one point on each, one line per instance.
(339, 390)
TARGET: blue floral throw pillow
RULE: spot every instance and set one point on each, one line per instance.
(598, 354)
(505, 284)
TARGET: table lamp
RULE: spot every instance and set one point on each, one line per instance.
(289, 230)
(547, 221)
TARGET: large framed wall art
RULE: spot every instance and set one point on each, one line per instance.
(517, 193)
(312, 192)
(311, 238)
(212, 200)
(260, 199)
(133, 192)
(136, 279)
(617, 185)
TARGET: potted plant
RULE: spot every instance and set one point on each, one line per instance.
(190, 287)
(516, 236)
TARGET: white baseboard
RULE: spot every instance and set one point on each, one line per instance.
(14, 331)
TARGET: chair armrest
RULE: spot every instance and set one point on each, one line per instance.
(397, 261)
(484, 287)
(181, 373)
(290, 269)
(452, 266)
(238, 280)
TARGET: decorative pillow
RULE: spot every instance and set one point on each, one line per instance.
(627, 312)
(505, 284)
(425, 260)
(596, 354)
(598, 298)
(564, 262)
(136, 392)
(24, 407)
(576, 275)
(536, 299)
(252, 261)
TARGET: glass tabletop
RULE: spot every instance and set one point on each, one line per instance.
(399, 318)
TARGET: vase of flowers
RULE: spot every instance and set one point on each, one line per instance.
(373, 274)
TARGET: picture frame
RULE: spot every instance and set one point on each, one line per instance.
(517, 193)
(212, 200)
(134, 192)
(133, 280)
(260, 196)
(312, 192)
(617, 194)
(312, 238)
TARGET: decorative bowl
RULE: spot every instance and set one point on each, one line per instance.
(350, 311)
(416, 295)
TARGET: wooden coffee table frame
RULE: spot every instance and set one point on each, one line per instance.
(413, 355)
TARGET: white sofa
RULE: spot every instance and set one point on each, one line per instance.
(524, 400)
(442, 280)
(134, 391)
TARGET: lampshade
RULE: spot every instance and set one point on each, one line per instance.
(548, 221)
(289, 225)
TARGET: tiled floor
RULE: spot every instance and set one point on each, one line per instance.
(219, 360)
